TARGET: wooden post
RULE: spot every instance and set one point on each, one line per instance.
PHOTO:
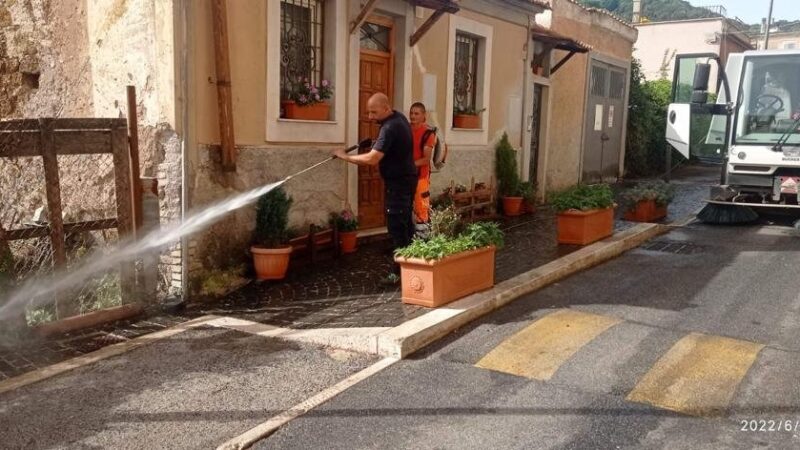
(133, 145)
(53, 192)
(222, 62)
(123, 186)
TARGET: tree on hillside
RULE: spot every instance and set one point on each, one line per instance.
(654, 10)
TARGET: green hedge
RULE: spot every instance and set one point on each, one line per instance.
(647, 122)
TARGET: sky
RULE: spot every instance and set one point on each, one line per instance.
(751, 11)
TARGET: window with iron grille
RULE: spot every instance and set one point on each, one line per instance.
(301, 43)
(598, 86)
(466, 74)
(617, 85)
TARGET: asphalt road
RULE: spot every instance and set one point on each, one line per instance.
(194, 390)
(688, 342)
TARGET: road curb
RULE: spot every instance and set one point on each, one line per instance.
(415, 334)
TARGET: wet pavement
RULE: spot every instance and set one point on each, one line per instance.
(347, 293)
(341, 293)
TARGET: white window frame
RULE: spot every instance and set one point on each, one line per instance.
(460, 136)
(334, 69)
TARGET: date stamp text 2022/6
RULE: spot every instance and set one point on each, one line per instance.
(770, 425)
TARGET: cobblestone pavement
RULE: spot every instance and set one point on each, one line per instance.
(337, 293)
(346, 292)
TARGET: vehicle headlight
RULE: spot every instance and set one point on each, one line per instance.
(742, 155)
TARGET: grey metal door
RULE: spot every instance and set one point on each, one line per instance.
(603, 133)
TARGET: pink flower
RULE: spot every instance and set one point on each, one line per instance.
(314, 90)
(303, 99)
(325, 83)
(316, 97)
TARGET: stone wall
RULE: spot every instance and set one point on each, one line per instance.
(43, 57)
(462, 165)
(74, 58)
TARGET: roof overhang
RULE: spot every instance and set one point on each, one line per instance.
(448, 6)
(558, 41)
(552, 40)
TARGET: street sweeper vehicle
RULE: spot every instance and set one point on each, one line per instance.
(751, 126)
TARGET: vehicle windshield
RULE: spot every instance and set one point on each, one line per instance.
(769, 100)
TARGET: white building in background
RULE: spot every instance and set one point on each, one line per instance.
(659, 42)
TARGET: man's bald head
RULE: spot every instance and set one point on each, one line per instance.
(378, 107)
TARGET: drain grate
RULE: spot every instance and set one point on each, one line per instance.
(675, 247)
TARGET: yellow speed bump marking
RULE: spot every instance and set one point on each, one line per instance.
(541, 348)
(698, 375)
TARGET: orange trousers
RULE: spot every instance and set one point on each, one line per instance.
(422, 201)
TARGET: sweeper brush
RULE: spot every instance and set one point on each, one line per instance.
(727, 214)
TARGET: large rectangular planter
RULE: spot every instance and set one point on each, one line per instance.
(585, 227)
(646, 211)
(435, 283)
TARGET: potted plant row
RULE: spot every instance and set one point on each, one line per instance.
(648, 201)
(270, 249)
(347, 225)
(585, 213)
(451, 263)
(306, 101)
(467, 117)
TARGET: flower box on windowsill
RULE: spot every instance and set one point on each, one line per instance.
(317, 111)
(467, 121)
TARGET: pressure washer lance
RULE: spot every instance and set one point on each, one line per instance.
(366, 143)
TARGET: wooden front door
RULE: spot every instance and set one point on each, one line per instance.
(375, 74)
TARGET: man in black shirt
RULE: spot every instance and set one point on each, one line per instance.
(393, 152)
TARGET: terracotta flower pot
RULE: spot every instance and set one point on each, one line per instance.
(348, 241)
(646, 211)
(585, 227)
(470, 121)
(317, 111)
(435, 283)
(512, 206)
(271, 263)
(528, 207)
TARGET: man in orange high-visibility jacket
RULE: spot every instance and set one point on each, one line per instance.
(422, 160)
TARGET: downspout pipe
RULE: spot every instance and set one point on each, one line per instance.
(184, 74)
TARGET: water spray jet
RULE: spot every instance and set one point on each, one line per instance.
(35, 293)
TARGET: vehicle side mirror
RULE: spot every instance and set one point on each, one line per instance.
(700, 85)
